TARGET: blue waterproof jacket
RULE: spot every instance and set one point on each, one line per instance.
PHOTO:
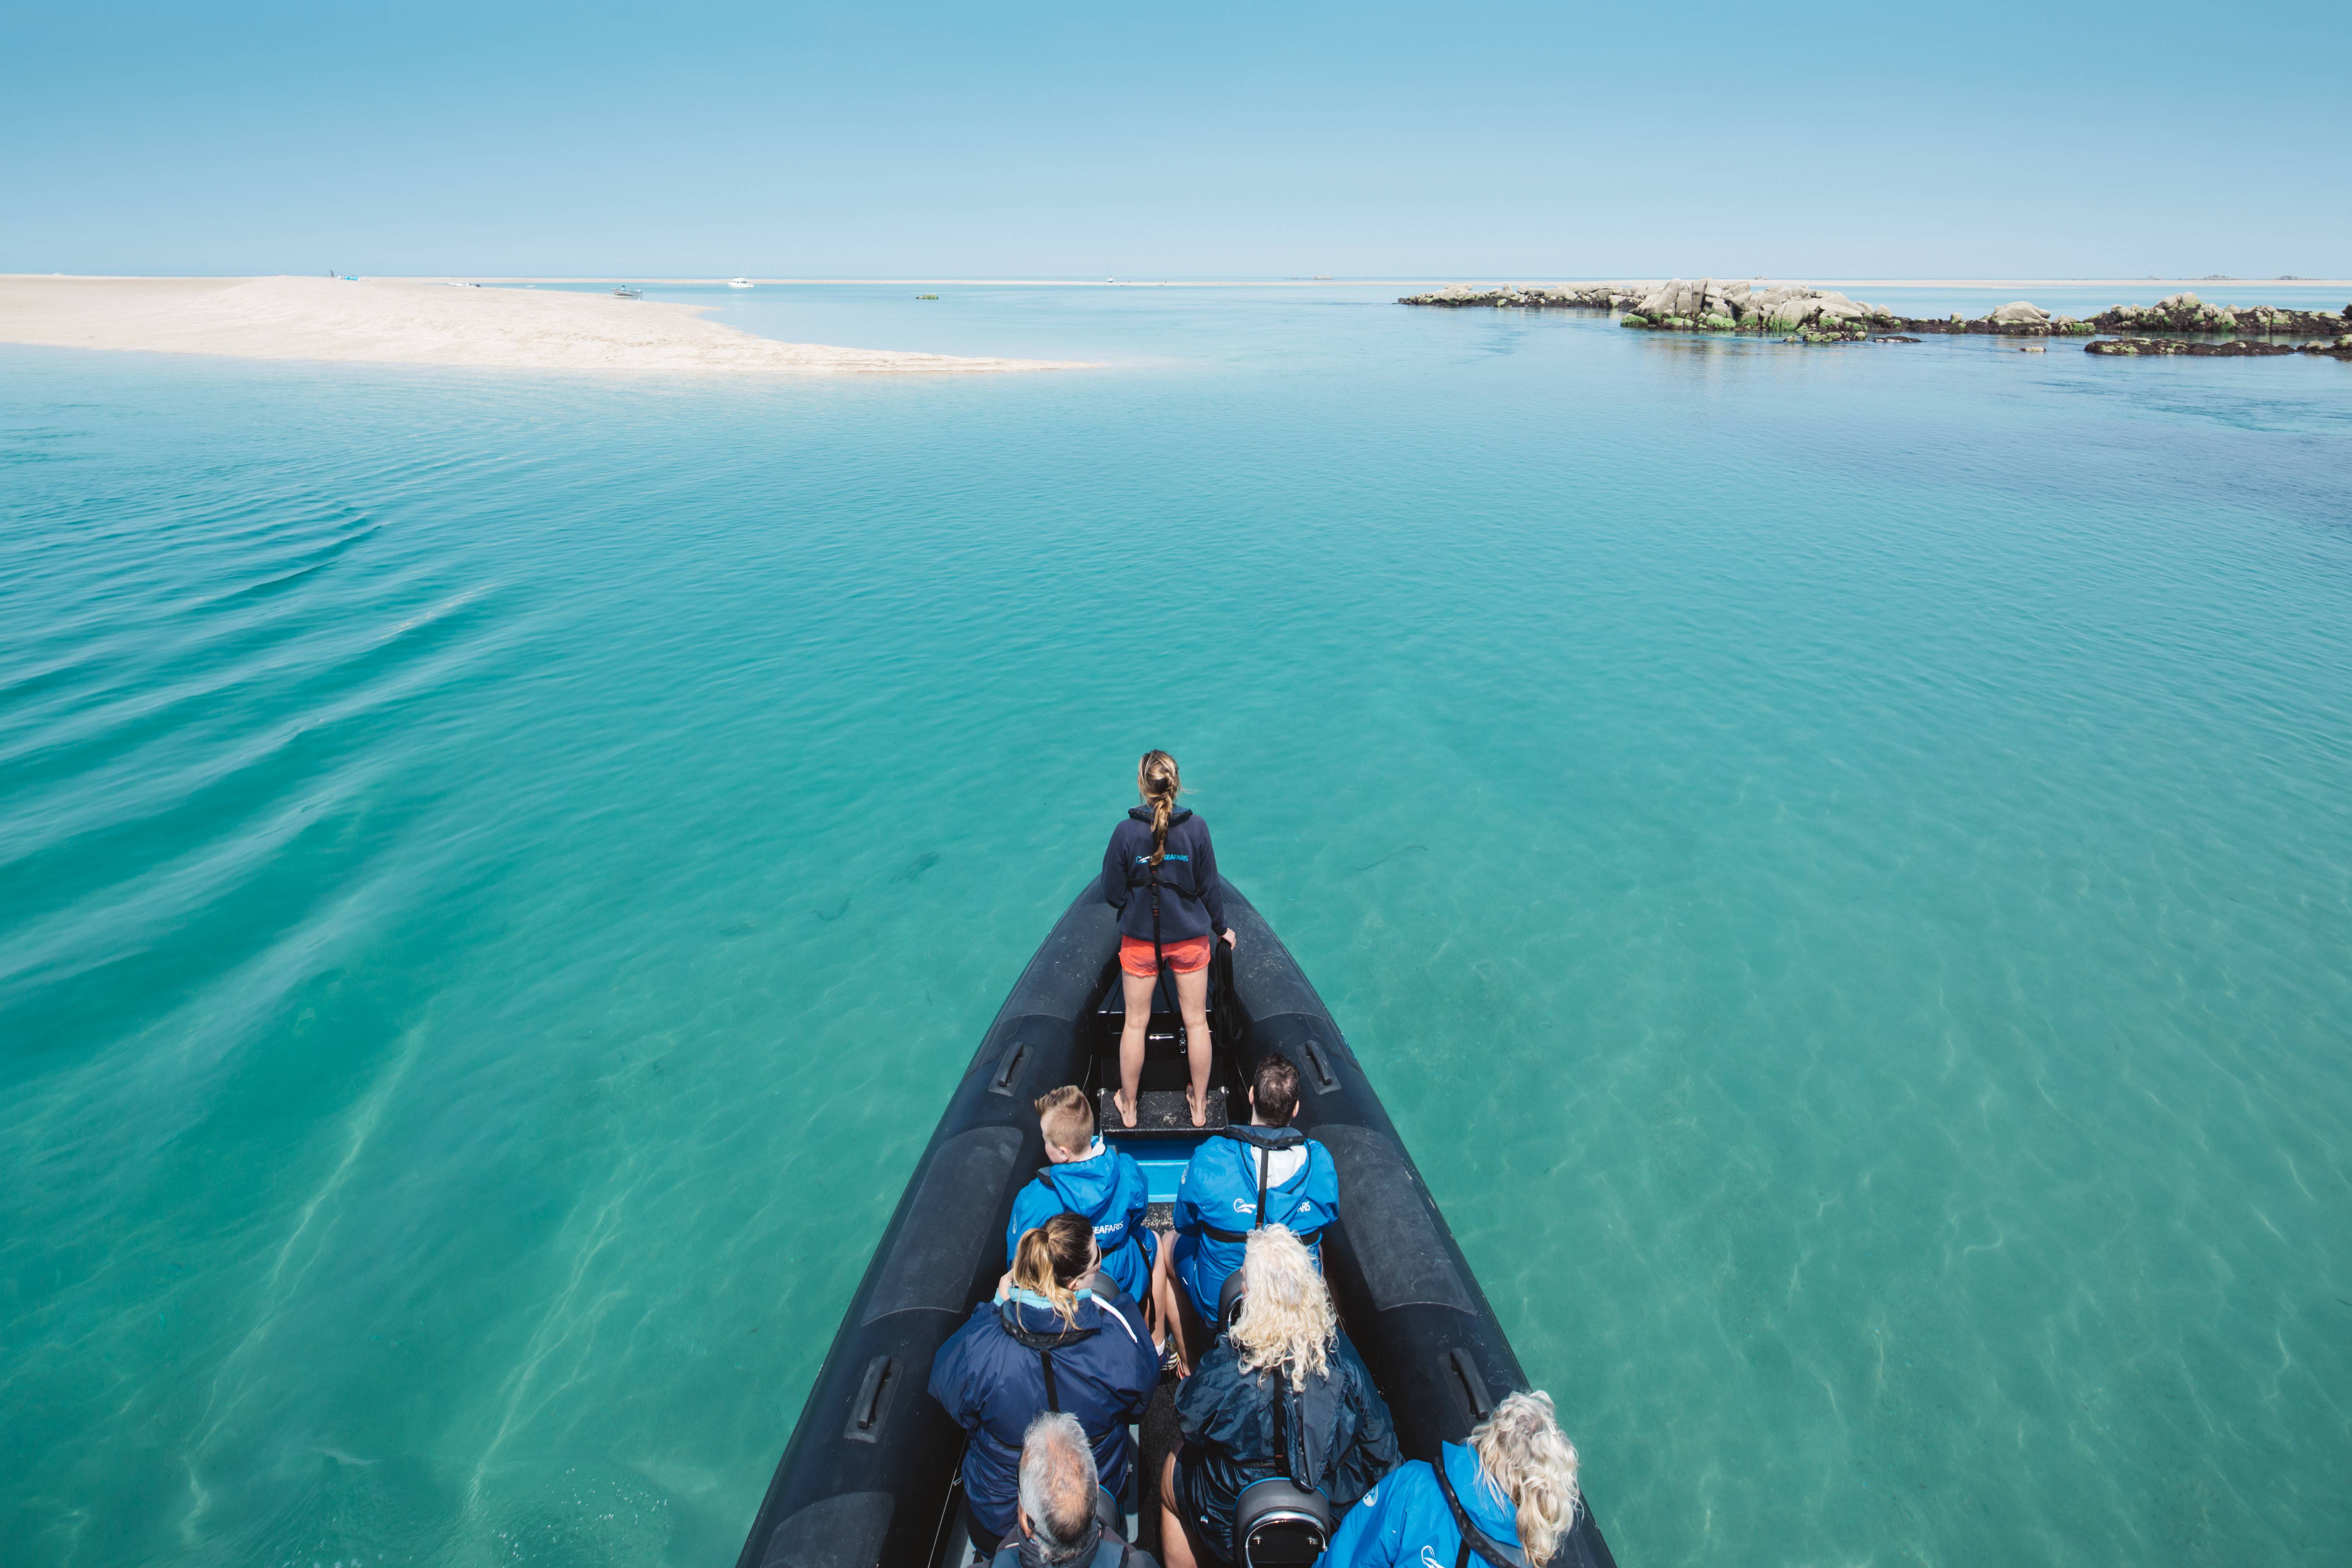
(1404, 1521)
(1107, 1190)
(1340, 1437)
(1219, 1193)
(1191, 903)
(991, 1379)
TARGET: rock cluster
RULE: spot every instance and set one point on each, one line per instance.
(2186, 312)
(1707, 306)
(2236, 348)
(1798, 313)
(1596, 297)
(2018, 319)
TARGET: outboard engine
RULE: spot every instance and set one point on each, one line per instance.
(1279, 1524)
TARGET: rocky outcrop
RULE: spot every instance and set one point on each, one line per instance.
(1798, 313)
(2184, 313)
(2237, 348)
(1593, 297)
(1707, 306)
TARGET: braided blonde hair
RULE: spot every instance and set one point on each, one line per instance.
(1156, 777)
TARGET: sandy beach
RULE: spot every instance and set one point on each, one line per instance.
(403, 321)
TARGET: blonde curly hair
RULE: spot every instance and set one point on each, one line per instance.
(1286, 1321)
(1529, 1464)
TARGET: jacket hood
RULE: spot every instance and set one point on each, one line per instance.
(1143, 813)
(1024, 1312)
(1030, 1314)
(1088, 1183)
(1481, 1501)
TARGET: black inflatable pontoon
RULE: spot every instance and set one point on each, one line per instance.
(869, 1479)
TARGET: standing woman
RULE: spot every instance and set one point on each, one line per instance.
(1161, 874)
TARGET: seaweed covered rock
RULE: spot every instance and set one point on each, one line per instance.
(2184, 313)
(2237, 348)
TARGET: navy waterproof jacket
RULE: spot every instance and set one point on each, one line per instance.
(1341, 1439)
(1107, 1190)
(1191, 903)
(1108, 1551)
(1403, 1522)
(995, 1384)
(1219, 1191)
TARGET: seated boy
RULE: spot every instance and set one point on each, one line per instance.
(1084, 1177)
(1230, 1176)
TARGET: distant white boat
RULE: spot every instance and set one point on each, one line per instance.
(739, 283)
(626, 292)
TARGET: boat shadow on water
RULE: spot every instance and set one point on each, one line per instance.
(870, 1476)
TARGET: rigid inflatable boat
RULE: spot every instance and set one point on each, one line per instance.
(870, 1477)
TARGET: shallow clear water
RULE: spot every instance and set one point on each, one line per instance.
(1838, 860)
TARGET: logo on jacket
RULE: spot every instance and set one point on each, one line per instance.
(1242, 1205)
(1429, 1558)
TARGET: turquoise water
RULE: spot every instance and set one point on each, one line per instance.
(1837, 860)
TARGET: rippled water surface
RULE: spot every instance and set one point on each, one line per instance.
(1838, 862)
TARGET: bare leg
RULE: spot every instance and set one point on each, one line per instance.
(1130, 1041)
(1192, 1001)
(1175, 1550)
(1163, 1290)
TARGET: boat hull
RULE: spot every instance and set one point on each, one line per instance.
(867, 1478)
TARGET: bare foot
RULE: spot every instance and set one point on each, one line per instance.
(1200, 1104)
(1126, 1111)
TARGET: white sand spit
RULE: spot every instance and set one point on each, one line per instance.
(400, 322)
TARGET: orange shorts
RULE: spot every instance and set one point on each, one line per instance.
(1183, 957)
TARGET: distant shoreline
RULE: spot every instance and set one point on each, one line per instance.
(1531, 280)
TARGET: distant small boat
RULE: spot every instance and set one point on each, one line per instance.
(739, 283)
(626, 292)
(926, 295)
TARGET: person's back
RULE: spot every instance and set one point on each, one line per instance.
(1159, 871)
(1513, 1486)
(993, 1376)
(1217, 1202)
(1281, 1393)
(1236, 1423)
(1085, 1176)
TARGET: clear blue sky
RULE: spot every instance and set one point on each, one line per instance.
(918, 139)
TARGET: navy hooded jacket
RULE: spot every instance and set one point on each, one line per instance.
(1191, 903)
(1341, 1436)
(1403, 1522)
(993, 1385)
(1219, 1191)
(1107, 1190)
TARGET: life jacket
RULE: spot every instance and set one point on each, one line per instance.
(1265, 1140)
(1474, 1540)
(1009, 1319)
